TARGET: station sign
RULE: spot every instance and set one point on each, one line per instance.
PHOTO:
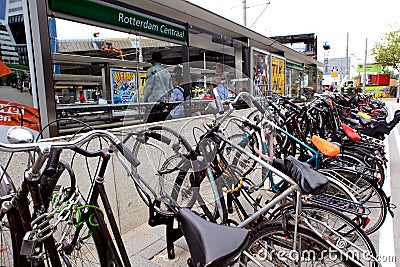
(119, 16)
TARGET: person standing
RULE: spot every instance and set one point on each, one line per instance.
(177, 96)
(82, 98)
(219, 73)
(66, 98)
(222, 91)
(158, 81)
(96, 95)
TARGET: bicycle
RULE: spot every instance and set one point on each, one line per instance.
(203, 150)
(35, 239)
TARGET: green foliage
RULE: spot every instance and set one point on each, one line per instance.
(387, 50)
(389, 70)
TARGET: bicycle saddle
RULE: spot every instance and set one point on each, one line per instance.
(325, 147)
(309, 180)
(350, 132)
(211, 244)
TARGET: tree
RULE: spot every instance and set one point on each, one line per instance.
(387, 52)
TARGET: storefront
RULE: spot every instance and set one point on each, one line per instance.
(103, 78)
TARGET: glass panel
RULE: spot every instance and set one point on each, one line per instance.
(141, 79)
(15, 82)
(295, 83)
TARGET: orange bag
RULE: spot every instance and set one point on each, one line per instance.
(325, 147)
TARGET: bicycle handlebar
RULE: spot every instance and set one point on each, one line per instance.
(73, 144)
(252, 99)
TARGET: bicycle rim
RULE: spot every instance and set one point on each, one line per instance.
(336, 229)
(271, 245)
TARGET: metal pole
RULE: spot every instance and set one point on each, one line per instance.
(44, 73)
(398, 88)
(347, 57)
(365, 65)
(244, 13)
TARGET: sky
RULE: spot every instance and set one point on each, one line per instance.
(329, 20)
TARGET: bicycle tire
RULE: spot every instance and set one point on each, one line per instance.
(11, 231)
(236, 158)
(86, 245)
(152, 187)
(369, 195)
(353, 236)
(91, 248)
(271, 245)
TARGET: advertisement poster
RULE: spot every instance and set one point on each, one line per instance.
(123, 84)
(278, 75)
(378, 91)
(142, 82)
(261, 73)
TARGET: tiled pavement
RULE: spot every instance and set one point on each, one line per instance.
(146, 246)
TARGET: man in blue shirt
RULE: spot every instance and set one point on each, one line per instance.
(222, 91)
(177, 96)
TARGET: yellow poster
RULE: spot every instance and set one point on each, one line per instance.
(278, 75)
(142, 81)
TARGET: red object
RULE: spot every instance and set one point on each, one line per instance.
(82, 98)
(208, 97)
(380, 79)
(4, 70)
(351, 133)
(10, 115)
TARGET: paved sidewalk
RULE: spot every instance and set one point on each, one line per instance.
(146, 246)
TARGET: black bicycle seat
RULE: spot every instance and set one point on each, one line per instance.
(211, 244)
(364, 122)
(310, 181)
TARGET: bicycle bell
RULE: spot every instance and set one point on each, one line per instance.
(19, 135)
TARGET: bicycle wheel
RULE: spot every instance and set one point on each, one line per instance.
(271, 245)
(159, 177)
(369, 195)
(11, 234)
(236, 158)
(335, 228)
(11, 230)
(79, 237)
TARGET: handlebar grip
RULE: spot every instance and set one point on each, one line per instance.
(218, 101)
(52, 162)
(159, 137)
(258, 106)
(125, 151)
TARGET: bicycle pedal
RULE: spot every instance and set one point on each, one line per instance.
(28, 244)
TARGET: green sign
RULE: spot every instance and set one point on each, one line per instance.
(117, 16)
(370, 68)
